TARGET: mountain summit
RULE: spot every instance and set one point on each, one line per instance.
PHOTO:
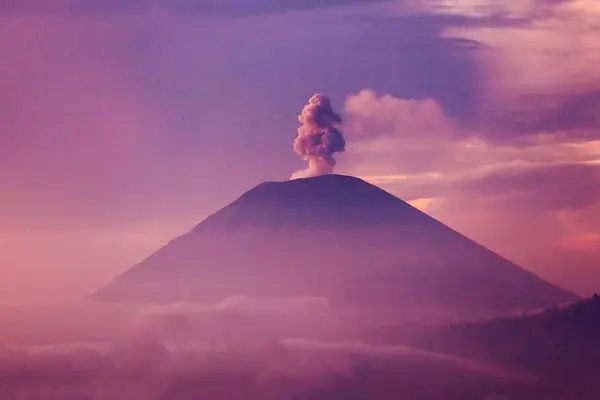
(337, 237)
(322, 202)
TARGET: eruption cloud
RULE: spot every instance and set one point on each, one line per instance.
(318, 138)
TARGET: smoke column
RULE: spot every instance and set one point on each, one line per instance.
(318, 139)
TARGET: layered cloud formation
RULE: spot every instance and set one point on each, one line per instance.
(118, 118)
(534, 198)
(521, 171)
(230, 351)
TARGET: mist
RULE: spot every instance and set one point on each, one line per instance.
(238, 349)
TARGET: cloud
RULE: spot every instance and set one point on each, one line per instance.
(226, 8)
(272, 307)
(529, 199)
(540, 77)
(411, 117)
(147, 370)
(111, 113)
(559, 245)
(107, 362)
(121, 103)
(548, 188)
(110, 119)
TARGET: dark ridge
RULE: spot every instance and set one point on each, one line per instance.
(559, 344)
(312, 203)
(327, 191)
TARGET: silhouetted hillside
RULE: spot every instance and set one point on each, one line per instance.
(560, 344)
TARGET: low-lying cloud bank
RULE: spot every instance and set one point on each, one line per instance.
(167, 352)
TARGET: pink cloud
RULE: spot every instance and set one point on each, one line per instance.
(409, 117)
(94, 96)
(529, 202)
(540, 76)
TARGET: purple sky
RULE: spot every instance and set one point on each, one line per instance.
(122, 123)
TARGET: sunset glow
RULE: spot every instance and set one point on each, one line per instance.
(117, 120)
(299, 199)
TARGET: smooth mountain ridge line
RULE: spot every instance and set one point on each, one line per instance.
(334, 236)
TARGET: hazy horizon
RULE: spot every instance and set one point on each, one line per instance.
(123, 125)
(126, 123)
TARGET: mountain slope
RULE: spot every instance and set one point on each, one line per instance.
(337, 237)
(559, 344)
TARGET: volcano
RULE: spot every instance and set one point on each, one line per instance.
(336, 237)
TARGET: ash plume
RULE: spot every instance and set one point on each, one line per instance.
(318, 138)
